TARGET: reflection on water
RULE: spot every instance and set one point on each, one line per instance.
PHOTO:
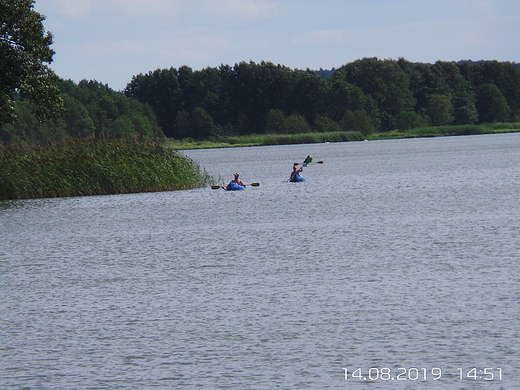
(393, 254)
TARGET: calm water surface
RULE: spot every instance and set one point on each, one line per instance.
(401, 257)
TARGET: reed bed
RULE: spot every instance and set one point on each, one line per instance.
(312, 137)
(94, 167)
(301, 138)
(442, 131)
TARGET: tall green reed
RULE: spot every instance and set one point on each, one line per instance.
(94, 167)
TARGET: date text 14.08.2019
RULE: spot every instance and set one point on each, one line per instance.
(422, 374)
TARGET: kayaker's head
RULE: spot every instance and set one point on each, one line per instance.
(236, 176)
(294, 167)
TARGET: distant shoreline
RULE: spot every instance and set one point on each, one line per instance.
(287, 139)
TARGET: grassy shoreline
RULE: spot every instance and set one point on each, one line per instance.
(285, 139)
(94, 167)
(101, 167)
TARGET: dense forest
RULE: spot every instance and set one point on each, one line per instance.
(92, 110)
(367, 95)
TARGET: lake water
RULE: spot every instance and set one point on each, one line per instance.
(399, 258)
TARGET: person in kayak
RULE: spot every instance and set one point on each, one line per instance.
(295, 171)
(236, 180)
(308, 160)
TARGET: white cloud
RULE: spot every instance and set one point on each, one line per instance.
(73, 8)
(238, 10)
(156, 8)
(211, 11)
(119, 8)
(484, 5)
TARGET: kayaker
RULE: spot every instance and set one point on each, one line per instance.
(236, 180)
(295, 171)
(308, 160)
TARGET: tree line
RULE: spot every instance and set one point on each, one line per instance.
(367, 95)
(90, 110)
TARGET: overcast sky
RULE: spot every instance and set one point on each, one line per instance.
(112, 40)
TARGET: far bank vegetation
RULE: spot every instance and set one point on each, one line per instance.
(367, 99)
(369, 96)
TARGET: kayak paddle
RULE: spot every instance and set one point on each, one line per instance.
(317, 162)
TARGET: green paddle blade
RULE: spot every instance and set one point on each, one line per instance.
(255, 184)
(215, 187)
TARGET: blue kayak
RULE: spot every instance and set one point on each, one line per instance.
(296, 178)
(234, 187)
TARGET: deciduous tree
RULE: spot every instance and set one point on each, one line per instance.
(24, 57)
(492, 105)
(440, 110)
